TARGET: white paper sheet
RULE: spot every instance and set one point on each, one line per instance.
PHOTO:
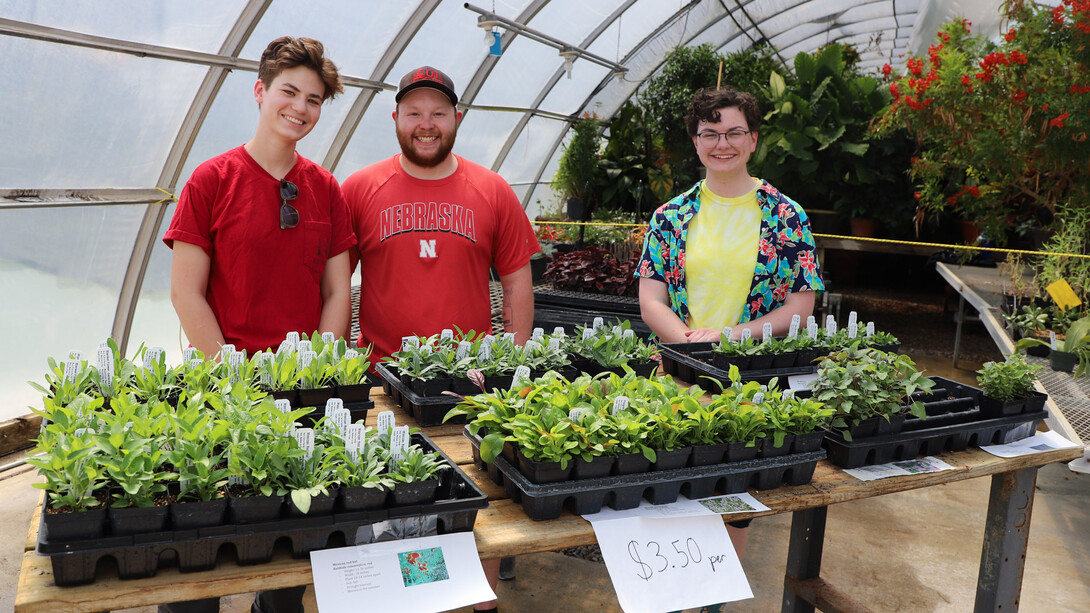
(426, 574)
(929, 464)
(724, 504)
(669, 564)
(1042, 441)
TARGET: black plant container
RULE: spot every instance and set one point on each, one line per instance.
(543, 472)
(322, 504)
(891, 426)
(599, 466)
(669, 460)
(315, 397)
(463, 386)
(767, 449)
(253, 509)
(418, 492)
(785, 360)
(864, 428)
(362, 498)
(761, 362)
(810, 441)
(1063, 361)
(75, 525)
(291, 396)
(502, 382)
(192, 514)
(707, 455)
(738, 451)
(724, 362)
(1035, 402)
(993, 407)
(631, 464)
(138, 520)
(358, 392)
(430, 387)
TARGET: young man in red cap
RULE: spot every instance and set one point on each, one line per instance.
(429, 225)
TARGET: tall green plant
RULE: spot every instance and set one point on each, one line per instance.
(578, 169)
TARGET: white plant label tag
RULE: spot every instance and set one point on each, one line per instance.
(554, 344)
(353, 440)
(71, 369)
(588, 333)
(620, 403)
(332, 405)
(853, 331)
(446, 335)
(327, 337)
(463, 350)
(285, 347)
(351, 354)
(262, 360)
(304, 346)
(195, 363)
(559, 331)
(406, 342)
(385, 422)
(521, 373)
(151, 356)
(283, 404)
(226, 350)
(576, 414)
(104, 344)
(1052, 340)
(830, 325)
(293, 338)
(810, 319)
(105, 366)
(616, 330)
(537, 334)
(812, 330)
(399, 443)
(530, 347)
(598, 323)
(425, 350)
(629, 333)
(793, 330)
(870, 329)
(727, 332)
(746, 333)
(77, 356)
(853, 319)
(342, 418)
(484, 354)
(79, 432)
(488, 340)
(305, 438)
(766, 332)
(509, 337)
(788, 394)
(306, 357)
(235, 361)
(758, 398)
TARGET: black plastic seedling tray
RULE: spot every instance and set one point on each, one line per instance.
(138, 556)
(691, 362)
(427, 410)
(547, 500)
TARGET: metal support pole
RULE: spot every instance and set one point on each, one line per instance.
(803, 556)
(1006, 534)
(957, 335)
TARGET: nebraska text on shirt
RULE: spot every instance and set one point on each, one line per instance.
(427, 217)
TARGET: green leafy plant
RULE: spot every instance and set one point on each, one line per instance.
(861, 383)
(1009, 379)
(417, 465)
(71, 469)
(578, 168)
(1076, 340)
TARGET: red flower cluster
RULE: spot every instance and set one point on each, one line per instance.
(972, 190)
(1058, 122)
(1018, 95)
(915, 66)
(1080, 89)
(886, 70)
(1010, 35)
(1017, 57)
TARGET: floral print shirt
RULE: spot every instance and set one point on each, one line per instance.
(786, 261)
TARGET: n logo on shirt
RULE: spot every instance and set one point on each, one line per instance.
(427, 248)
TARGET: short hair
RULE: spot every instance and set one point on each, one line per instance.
(706, 103)
(288, 52)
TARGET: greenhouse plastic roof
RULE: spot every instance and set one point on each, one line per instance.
(116, 101)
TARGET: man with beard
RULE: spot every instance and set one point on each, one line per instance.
(429, 225)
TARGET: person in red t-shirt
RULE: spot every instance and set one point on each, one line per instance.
(261, 234)
(261, 238)
(429, 225)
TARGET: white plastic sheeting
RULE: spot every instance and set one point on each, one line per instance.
(112, 103)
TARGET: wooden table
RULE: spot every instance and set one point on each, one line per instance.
(504, 530)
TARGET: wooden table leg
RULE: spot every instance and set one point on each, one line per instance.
(803, 556)
(1006, 534)
(957, 335)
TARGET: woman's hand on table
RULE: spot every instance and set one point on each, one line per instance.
(703, 335)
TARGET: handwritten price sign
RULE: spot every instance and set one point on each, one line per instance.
(670, 564)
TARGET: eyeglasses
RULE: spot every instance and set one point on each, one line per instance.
(734, 137)
(289, 215)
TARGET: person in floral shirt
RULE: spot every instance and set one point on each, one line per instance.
(747, 259)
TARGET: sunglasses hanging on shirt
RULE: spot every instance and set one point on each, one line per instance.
(289, 215)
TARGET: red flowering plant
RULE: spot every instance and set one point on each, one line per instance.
(1000, 127)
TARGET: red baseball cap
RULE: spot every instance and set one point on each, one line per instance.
(426, 76)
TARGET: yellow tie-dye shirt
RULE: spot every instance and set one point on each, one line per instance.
(721, 256)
